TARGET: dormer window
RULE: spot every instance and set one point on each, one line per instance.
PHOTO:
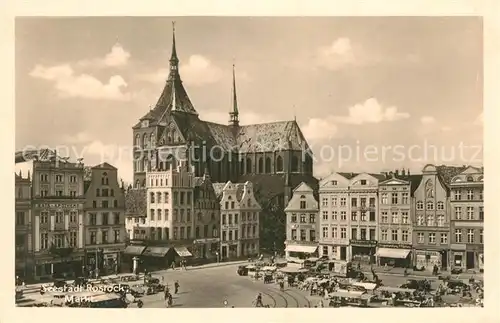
(363, 182)
(334, 183)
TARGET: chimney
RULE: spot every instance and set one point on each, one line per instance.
(396, 172)
(408, 172)
(391, 174)
(403, 172)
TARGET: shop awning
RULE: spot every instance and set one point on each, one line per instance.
(134, 250)
(393, 253)
(156, 251)
(182, 252)
(301, 248)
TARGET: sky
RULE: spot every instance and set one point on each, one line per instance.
(370, 93)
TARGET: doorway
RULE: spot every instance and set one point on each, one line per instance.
(444, 259)
(469, 262)
(343, 253)
(224, 252)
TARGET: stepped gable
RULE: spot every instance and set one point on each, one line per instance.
(135, 202)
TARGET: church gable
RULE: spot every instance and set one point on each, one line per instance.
(172, 134)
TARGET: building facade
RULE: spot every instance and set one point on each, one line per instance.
(104, 220)
(467, 219)
(431, 230)
(239, 220)
(333, 222)
(395, 220)
(58, 201)
(363, 216)
(23, 227)
(302, 225)
(207, 221)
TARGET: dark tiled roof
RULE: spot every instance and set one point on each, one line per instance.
(182, 101)
(448, 172)
(348, 175)
(274, 136)
(135, 202)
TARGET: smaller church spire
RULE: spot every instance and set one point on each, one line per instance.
(234, 114)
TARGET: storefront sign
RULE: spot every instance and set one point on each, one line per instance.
(363, 243)
(428, 253)
(230, 226)
(57, 205)
(456, 246)
(202, 241)
(395, 246)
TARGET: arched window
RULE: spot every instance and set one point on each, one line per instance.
(470, 179)
(268, 165)
(152, 139)
(145, 165)
(279, 164)
(137, 184)
(215, 232)
(295, 164)
(308, 164)
(242, 167)
(249, 166)
(145, 141)
(430, 205)
(420, 205)
(104, 179)
(137, 141)
(261, 166)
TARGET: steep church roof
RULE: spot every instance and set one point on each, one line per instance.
(174, 105)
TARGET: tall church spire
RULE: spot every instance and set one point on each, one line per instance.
(234, 115)
(174, 60)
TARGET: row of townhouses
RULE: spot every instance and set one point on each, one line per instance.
(73, 220)
(399, 219)
(70, 220)
(180, 215)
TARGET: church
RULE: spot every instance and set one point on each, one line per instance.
(274, 156)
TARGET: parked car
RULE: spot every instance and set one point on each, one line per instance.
(60, 283)
(242, 271)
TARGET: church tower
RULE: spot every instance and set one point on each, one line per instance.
(233, 114)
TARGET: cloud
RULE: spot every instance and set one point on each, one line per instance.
(117, 57)
(316, 129)
(97, 152)
(70, 85)
(199, 70)
(371, 111)
(427, 120)
(80, 137)
(479, 120)
(337, 55)
(159, 76)
(446, 129)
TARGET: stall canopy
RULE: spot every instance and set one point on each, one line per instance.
(134, 250)
(393, 253)
(301, 248)
(182, 252)
(156, 251)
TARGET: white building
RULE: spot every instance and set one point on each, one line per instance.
(301, 225)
